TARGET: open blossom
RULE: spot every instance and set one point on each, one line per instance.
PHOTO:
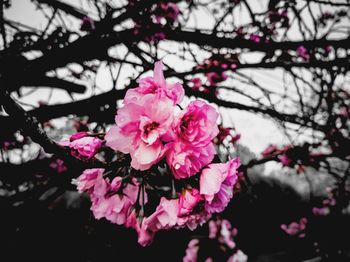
(216, 184)
(197, 125)
(88, 178)
(109, 203)
(188, 200)
(84, 147)
(155, 86)
(186, 160)
(139, 129)
(164, 218)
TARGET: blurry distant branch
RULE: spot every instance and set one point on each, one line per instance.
(54, 82)
(330, 3)
(64, 7)
(203, 39)
(98, 108)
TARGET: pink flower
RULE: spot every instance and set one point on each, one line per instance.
(139, 130)
(85, 147)
(303, 53)
(285, 160)
(223, 133)
(164, 217)
(214, 78)
(58, 165)
(216, 184)
(226, 234)
(213, 229)
(88, 178)
(239, 256)
(114, 208)
(171, 11)
(197, 125)
(191, 251)
(185, 160)
(323, 211)
(188, 200)
(155, 86)
(295, 228)
(255, 38)
(196, 83)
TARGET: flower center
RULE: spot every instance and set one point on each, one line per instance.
(149, 127)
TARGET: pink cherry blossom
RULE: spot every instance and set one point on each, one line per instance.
(191, 251)
(85, 147)
(139, 130)
(196, 83)
(216, 184)
(155, 86)
(214, 78)
(163, 218)
(197, 124)
(58, 165)
(188, 200)
(114, 206)
(226, 234)
(255, 38)
(172, 11)
(88, 179)
(213, 229)
(186, 160)
(285, 160)
(303, 53)
(295, 228)
(320, 211)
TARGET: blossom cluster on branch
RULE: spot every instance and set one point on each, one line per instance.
(171, 150)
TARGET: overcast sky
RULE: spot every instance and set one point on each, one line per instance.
(257, 131)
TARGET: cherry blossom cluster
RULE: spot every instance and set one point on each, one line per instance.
(326, 205)
(226, 134)
(296, 228)
(221, 233)
(171, 181)
(295, 156)
(216, 66)
(155, 19)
